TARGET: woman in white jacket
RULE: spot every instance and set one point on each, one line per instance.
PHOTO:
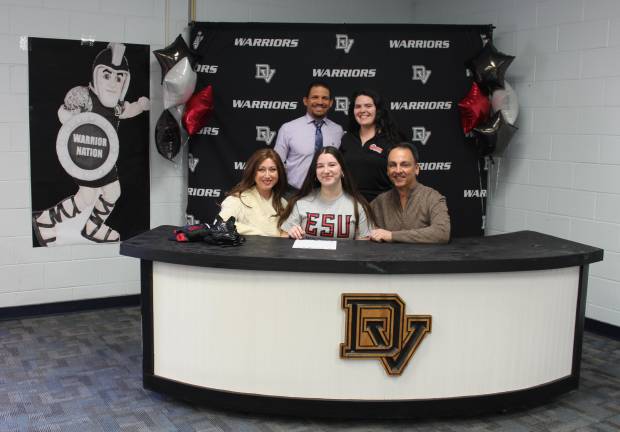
(256, 201)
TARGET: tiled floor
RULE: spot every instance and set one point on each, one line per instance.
(82, 372)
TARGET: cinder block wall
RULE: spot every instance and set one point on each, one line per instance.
(561, 173)
(45, 275)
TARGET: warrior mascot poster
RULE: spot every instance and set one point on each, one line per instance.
(89, 138)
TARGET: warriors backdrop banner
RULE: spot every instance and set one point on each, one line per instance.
(260, 72)
(89, 138)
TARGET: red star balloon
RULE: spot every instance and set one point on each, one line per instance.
(474, 108)
(198, 110)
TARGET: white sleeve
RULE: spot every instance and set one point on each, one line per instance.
(232, 206)
(292, 220)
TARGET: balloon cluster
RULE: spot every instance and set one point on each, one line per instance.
(490, 109)
(183, 110)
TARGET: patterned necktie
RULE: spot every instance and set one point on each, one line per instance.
(318, 135)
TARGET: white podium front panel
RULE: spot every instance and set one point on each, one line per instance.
(279, 333)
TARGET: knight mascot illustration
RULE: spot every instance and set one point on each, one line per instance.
(87, 146)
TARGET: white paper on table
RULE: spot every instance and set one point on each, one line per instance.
(315, 244)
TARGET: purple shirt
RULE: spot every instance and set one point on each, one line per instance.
(295, 145)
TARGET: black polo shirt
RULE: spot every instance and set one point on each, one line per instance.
(367, 163)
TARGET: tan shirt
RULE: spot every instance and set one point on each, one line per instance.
(254, 215)
(424, 220)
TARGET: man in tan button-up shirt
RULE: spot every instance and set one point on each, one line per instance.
(410, 212)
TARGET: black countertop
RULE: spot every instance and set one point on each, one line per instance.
(522, 250)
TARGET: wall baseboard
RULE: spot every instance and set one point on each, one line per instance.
(602, 328)
(17, 312)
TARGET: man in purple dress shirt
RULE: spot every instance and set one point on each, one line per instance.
(300, 138)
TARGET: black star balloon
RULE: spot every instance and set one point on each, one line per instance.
(172, 54)
(167, 136)
(490, 67)
(494, 135)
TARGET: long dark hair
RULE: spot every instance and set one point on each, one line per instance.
(383, 119)
(249, 174)
(311, 182)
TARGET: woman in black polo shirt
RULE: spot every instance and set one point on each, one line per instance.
(365, 146)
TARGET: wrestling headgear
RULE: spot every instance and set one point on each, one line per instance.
(111, 75)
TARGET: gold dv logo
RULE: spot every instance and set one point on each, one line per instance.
(377, 327)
